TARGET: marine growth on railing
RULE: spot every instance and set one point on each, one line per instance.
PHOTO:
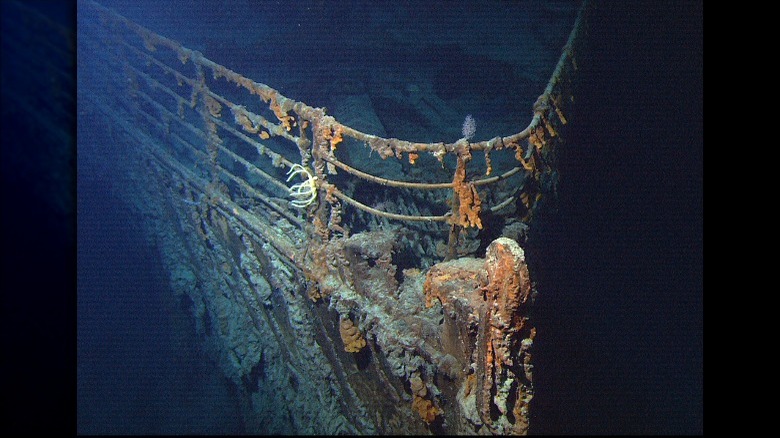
(236, 133)
(341, 234)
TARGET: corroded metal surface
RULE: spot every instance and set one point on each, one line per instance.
(487, 303)
(326, 318)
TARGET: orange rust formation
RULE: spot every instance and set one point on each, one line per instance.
(420, 403)
(474, 351)
(509, 287)
(286, 120)
(240, 118)
(493, 297)
(445, 278)
(350, 335)
(425, 409)
(505, 368)
(333, 135)
(466, 198)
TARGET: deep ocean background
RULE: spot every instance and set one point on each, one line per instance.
(619, 266)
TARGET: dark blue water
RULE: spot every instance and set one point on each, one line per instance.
(618, 267)
(621, 263)
(139, 368)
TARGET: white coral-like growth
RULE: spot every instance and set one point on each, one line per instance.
(303, 193)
